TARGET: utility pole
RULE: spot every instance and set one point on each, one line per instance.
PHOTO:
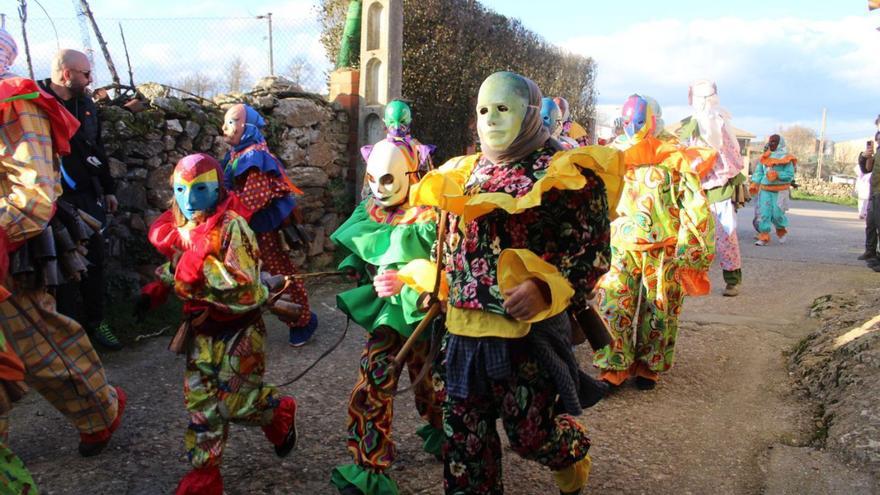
(268, 17)
(821, 147)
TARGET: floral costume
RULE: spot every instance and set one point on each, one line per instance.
(543, 216)
(260, 182)
(772, 178)
(662, 244)
(376, 239)
(214, 268)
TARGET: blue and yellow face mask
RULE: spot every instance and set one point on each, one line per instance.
(196, 195)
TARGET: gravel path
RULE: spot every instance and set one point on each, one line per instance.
(707, 428)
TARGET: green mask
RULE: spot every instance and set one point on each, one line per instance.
(501, 108)
(398, 118)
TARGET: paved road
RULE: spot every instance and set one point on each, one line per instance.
(707, 428)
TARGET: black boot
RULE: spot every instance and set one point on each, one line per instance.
(645, 383)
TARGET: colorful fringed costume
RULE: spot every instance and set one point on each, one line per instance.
(662, 245)
(258, 178)
(545, 217)
(214, 268)
(58, 357)
(377, 239)
(772, 180)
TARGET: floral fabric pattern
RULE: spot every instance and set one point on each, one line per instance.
(569, 230)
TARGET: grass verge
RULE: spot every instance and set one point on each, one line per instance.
(796, 194)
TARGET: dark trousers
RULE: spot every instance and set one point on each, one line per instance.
(91, 288)
(872, 224)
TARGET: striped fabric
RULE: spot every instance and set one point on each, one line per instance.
(29, 182)
(60, 362)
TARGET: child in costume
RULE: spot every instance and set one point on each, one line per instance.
(257, 177)
(528, 237)
(662, 244)
(214, 268)
(383, 235)
(771, 181)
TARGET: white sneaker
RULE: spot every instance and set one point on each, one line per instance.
(782, 238)
(760, 242)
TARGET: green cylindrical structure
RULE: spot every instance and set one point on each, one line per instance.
(349, 48)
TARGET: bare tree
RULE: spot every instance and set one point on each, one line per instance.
(199, 84)
(801, 141)
(299, 70)
(237, 75)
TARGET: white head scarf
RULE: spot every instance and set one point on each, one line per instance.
(708, 112)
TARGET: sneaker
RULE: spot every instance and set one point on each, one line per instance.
(761, 242)
(782, 238)
(92, 444)
(731, 290)
(299, 336)
(103, 335)
(867, 256)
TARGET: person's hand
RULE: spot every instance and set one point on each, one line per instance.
(527, 299)
(141, 307)
(387, 284)
(773, 175)
(111, 204)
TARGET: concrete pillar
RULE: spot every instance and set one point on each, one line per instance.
(381, 69)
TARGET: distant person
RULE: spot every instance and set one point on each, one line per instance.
(88, 186)
(868, 162)
(772, 177)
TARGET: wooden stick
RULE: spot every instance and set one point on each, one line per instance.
(22, 14)
(112, 68)
(399, 359)
(127, 60)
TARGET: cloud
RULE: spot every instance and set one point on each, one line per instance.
(774, 71)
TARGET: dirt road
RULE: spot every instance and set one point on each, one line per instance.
(727, 419)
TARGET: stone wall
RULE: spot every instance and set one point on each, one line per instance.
(816, 187)
(308, 134)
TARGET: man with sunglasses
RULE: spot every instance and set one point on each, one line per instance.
(88, 186)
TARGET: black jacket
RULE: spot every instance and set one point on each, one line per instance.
(79, 177)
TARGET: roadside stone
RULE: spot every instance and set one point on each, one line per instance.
(173, 127)
(308, 177)
(299, 112)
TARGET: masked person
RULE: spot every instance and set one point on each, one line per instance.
(383, 235)
(527, 238)
(88, 186)
(214, 268)
(398, 128)
(258, 179)
(572, 132)
(772, 176)
(709, 126)
(551, 115)
(58, 358)
(662, 244)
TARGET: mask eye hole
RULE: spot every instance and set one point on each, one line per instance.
(503, 108)
(484, 111)
(386, 180)
(201, 187)
(180, 189)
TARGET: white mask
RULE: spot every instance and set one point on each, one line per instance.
(388, 171)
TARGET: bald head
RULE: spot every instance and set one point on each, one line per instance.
(71, 69)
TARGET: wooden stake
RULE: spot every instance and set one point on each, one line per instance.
(22, 14)
(127, 60)
(112, 68)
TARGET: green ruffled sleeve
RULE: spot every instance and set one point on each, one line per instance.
(370, 248)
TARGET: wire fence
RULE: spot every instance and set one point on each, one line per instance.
(202, 55)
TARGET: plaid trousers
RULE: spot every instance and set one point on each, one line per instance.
(60, 362)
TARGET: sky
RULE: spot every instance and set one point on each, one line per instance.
(776, 63)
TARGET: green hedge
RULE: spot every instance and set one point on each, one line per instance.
(450, 47)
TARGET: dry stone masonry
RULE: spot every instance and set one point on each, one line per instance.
(308, 134)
